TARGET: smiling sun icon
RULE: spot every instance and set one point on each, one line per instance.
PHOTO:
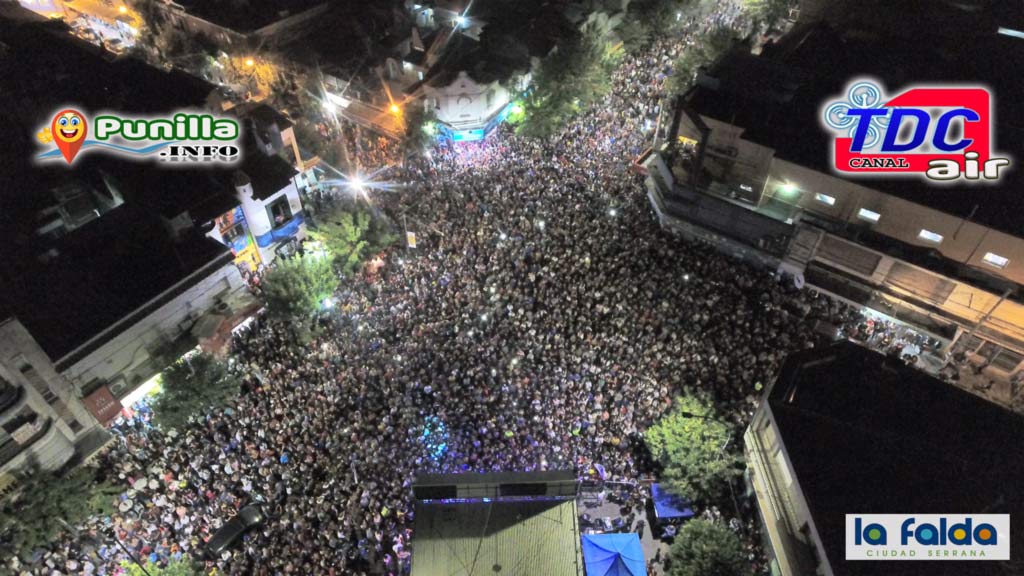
(68, 131)
(69, 126)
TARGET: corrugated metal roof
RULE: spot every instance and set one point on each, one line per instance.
(505, 538)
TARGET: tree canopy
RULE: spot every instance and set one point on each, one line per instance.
(35, 516)
(769, 13)
(713, 46)
(191, 387)
(420, 130)
(296, 288)
(690, 443)
(350, 232)
(576, 74)
(703, 547)
(181, 567)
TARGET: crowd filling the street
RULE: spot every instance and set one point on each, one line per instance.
(543, 322)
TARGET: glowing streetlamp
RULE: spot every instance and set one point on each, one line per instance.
(249, 62)
(613, 212)
(123, 9)
(460, 20)
(395, 109)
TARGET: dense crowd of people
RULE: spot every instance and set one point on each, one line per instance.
(543, 322)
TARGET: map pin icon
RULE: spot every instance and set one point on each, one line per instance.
(69, 129)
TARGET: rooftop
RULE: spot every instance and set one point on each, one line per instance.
(868, 434)
(115, 264)
(484, 538)
(776, 98)
(100, 272)
(247, 16)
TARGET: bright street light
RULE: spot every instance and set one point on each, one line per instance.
(250, 62)
(123, 9)
(613, 212)
(460, 20)
(395, 109)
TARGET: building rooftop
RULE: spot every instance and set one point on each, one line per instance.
(68, 289)
(484, 538)
(101, 273)
(865, 433)
(777, 96)
(247, 16)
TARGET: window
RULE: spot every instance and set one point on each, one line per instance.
(865, 214)
(929, 236)
(1006, 360)
(995, 260)
(234, 232)
(279, 211)
(825, 199)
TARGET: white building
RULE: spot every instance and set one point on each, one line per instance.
(42, 417)
(469, 108)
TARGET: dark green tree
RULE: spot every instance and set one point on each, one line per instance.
(713, 46)
(350, 232)
(420, 130)
(703, 547)
(655, 18)
(181, 567)
(770, 14)
(295, 289)
(192, 387)
(576, 74)
(690, 443)
(44, 504)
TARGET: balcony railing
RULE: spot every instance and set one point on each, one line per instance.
(11, 449)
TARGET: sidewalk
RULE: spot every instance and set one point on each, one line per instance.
(611, 510)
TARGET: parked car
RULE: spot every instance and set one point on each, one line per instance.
(247, 518)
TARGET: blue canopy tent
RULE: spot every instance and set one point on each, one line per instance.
(613, 555)
(669, 507)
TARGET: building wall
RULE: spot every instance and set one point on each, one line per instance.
(123, 360)
(466, 105)
(290, 27)
(787, 520)
(267, 236)
(45, 393)
(280, 31)
(962, 241)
